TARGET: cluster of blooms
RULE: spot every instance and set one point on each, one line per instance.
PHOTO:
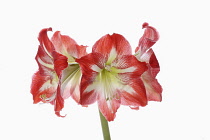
(110, 75)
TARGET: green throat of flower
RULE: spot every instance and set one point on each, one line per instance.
(108, 81)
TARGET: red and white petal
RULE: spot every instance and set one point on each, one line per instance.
(112, 45)
(60, 62)
(128, 64)
(146, 56)
(44, 55)
(87, 91)
(90, 65)
(104, 89)
(150, 32)
(43, 88)
(67, 46)
(59, 102)
(45, 41)
(71, 78)
(121, 44)
(149, 38)
(154, 65)
(107, 87)
(133, 92)
(44, 61)
(81, 51)
(108, 107)
(153, 88)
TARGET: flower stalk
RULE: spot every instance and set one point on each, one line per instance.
(105, 127)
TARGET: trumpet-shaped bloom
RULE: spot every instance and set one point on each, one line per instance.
(71, 76)
(59, 75)
(144, 53)
(111, 76)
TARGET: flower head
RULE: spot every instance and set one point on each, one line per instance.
(111, 76)
(57, 70)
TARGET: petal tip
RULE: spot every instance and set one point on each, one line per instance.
(144, 25)
(59, 115)
(49, 29)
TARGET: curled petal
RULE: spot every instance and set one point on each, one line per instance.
(44, 54)
(45, 41)
(149, 38)
(144, 53)
(67, 46)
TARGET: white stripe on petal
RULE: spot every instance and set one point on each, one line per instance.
(91, 87)
(45, 64)
(47, 51)
(112, 56)
(128, 89)
(48, 84)
(130, 69)
(71, 80)
(96, 68)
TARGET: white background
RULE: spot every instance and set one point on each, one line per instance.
(182, 51)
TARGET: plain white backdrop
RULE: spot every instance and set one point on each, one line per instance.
(182, 51)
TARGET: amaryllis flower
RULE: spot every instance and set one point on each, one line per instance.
(59, 75)
(144, 53)
(71, 76)
(111, 76)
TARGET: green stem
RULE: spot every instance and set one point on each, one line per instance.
(105, 127)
